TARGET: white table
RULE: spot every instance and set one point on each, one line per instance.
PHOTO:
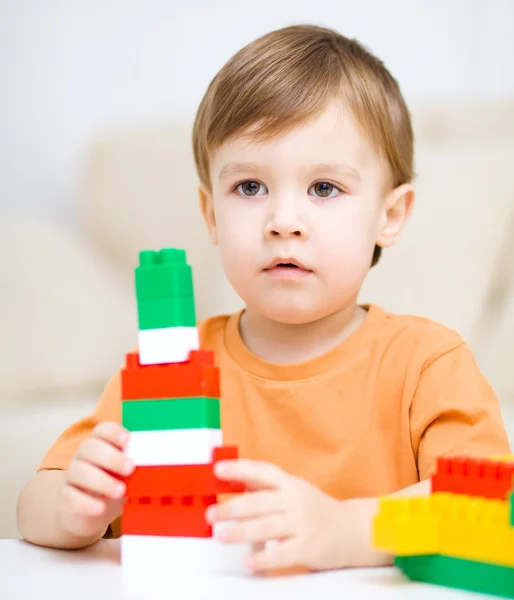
(28, 572)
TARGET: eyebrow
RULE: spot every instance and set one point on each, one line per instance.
(346, 170)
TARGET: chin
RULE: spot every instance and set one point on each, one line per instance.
(291, 313)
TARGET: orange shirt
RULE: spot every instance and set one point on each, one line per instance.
(367, 418)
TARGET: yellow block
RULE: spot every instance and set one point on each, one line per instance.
(406, 526)
(443, 523)
(508, 458)
(478, 529)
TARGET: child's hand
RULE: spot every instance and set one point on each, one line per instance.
(313, 529)
(90, 497)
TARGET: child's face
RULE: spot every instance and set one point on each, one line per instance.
(315, 197)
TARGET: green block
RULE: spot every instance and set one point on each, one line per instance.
(458, 573)
(157, 313)
(173, 413)
(164, 273)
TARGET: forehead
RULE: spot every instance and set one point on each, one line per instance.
(331, 136)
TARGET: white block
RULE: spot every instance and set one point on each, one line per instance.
(151, 556)
(167, 345)
(173, 446)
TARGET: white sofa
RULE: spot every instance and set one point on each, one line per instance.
(68, 313)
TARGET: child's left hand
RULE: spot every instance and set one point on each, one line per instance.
(312, 528)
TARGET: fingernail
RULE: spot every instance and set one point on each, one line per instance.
(220, 468)
(223, 534)
(128, 467)
(123, 437)
(119, 490)
(210, 514)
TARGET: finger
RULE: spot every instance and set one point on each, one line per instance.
(244, 506)
(253, 473)
(270, 527)
(111, 432)
(81, 503)
(101, 453)
(91, 478)
(276, 555)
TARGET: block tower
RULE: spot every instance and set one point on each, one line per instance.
(460, 536)
(171, 406)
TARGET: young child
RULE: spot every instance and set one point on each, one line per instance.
(304, 150)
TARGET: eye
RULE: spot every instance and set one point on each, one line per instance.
(324, 189)
(248, 188)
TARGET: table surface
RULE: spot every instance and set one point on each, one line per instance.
(28, 571)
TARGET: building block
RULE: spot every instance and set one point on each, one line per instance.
(168, 515)
(455, 525)
(173, 446)
(197, 377)
(170, 393)
(181, 480)
(173, 413)
(167, 345)
(466, 527)
(459, 573)
(474, 477)
(146, 558)
(168, 311)
(478, 529)
(162, 274)
(503, 458)
(407, 526)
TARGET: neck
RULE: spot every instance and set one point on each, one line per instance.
(284, 343)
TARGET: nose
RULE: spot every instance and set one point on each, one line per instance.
(284, 220)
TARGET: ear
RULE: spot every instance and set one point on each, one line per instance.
(396, 210)
(207, 207)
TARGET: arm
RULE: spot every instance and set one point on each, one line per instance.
(360, 512)
(38, 515)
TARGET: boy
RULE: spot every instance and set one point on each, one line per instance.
(304, 150)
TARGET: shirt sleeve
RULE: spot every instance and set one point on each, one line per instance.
(455, 411)
(64, 448)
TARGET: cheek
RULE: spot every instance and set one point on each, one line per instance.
(347, 241)
(236, 239)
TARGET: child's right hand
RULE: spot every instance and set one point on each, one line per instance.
(91, 497)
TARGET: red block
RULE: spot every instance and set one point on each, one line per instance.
(182, 480)
(474, 477)
(197, 377)
(182, 516)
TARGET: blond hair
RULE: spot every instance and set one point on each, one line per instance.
(286, 77)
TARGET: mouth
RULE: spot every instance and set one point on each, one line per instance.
(287, 267)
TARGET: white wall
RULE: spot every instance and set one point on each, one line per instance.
(70, 69)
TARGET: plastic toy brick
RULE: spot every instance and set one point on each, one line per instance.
(225, 453)
(477, 529)
(175, 413)
(458, 573)
(181, 480)
(503, 458)
(444, 523)
(163, 273)
(167, 345)
(197, 377)
(406, 526)
(168, 311)
(474, 477)
(168, 515)
(147, 558)
(173, 446)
